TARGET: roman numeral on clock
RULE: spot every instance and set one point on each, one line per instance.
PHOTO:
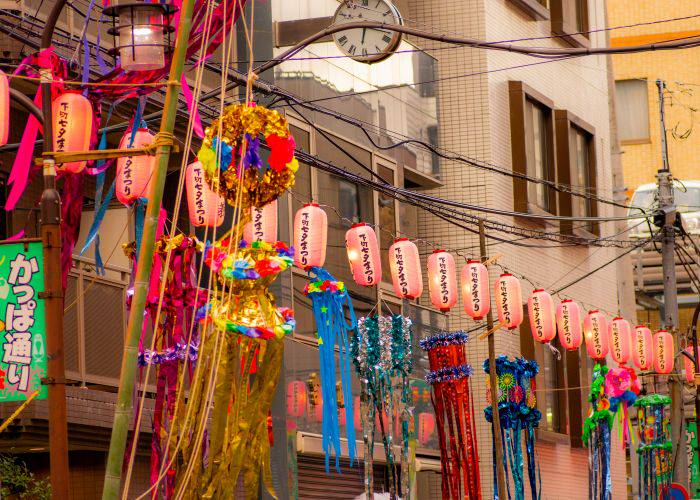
(343, 40)
(386, 39)
(351, 50)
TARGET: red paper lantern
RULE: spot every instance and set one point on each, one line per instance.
(404, 263)
(595, 328)
(620, 340)
(206, 207)
(540, 307)
(363, 254)
(296, 398)
(509, 301)
(663, 352)
(426, 427)
(357, 415)
(442, 280)
(476, 296)
(310, 236)
(643, 352)
(689, 365)
(263, 224)
(4, 109)
(569, 324)
(318, 411)
(134, 173)
(72, 127)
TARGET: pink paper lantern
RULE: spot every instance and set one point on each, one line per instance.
(540, 307)
(663, 352)
(689, 365)
(206, 207)
(569, 324)
(620, 340)
(363, 254)
(404, 263)
(357, 414)
(4, 109)
(72, 127)
(263, 224)
(509, 301)
(595, 329)
(310, 236)
(442, 280)
(317, 409)
(643, 351)
(426, 427)
(476, 296)
(135, 173)
(296, 398)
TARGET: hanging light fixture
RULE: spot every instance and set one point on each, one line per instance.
(476, 298)
(569, 324)
(310, 236)
(404, 263)
(142, 33)
(442, 280)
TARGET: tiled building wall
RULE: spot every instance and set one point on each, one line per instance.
(641, 161)
(475, 121)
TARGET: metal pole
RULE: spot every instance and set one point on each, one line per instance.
(53, 286)
(127, 377)
(493, 380)
(670, 315)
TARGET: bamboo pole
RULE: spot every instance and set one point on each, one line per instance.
(127, 377)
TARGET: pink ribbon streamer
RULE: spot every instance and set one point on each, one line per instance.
(19, 175)
(192, 107)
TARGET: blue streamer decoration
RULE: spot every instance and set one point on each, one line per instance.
(330, 302)
(518, 413)
(139, 218)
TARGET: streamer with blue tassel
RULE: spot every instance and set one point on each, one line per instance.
(330, 302)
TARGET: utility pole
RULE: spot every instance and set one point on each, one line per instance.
(53, 286)
(666, 221)
(493, 382)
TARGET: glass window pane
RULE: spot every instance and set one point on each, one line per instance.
(536, 136)
(302, 184)
(580, 172)
(387, 221)
(632, 107)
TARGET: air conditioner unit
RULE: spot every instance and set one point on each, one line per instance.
(15, 6)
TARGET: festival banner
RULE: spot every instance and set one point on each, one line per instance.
(22, 319)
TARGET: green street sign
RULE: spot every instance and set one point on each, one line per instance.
(693, 459)
(22, 318)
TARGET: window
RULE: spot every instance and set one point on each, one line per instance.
(532, 144)
(387, 220)
(537, 9)
(576, 162)
(570, 20)
(632, 108)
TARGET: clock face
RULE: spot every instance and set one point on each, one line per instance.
(366, 44)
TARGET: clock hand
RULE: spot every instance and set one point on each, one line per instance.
(364, 30)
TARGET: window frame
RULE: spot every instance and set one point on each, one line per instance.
(636, 140)
(533, 8)
(519, 94)
(564, 22)
(565, 123)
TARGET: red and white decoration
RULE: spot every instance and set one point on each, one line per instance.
(540, 307)
(206, 207)
(404, 264)
(442, 280)
(4, 108)
(569, 324)
(363, 254)
(620, 340)
(310, 236)
(509, 301)
(296, 398)
(643, 351)
(663, 352)
(263, 224)
(72, 127)
(476, 295)
(134, 173)
(689, 365)
(595, 328)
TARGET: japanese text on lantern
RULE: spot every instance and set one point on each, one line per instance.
(566, 323)
(304, 240)
(199, 194)
(503, 290)
(401, 270)
(537, 316)
(596, 334)
(62, 127)
(258, 229)
(24, 356)
(366, 260)
(444, 287)
(474, 278)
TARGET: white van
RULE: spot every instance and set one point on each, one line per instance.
(686, 195)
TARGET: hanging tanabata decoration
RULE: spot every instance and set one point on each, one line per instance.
(331, 302)
(517, 407)
(620, 340)
(452, 400)
(442, 280)
(476, 293)
(509, 301)
(613, 391)
(655, 448)
(381, 351)
(242, 330)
